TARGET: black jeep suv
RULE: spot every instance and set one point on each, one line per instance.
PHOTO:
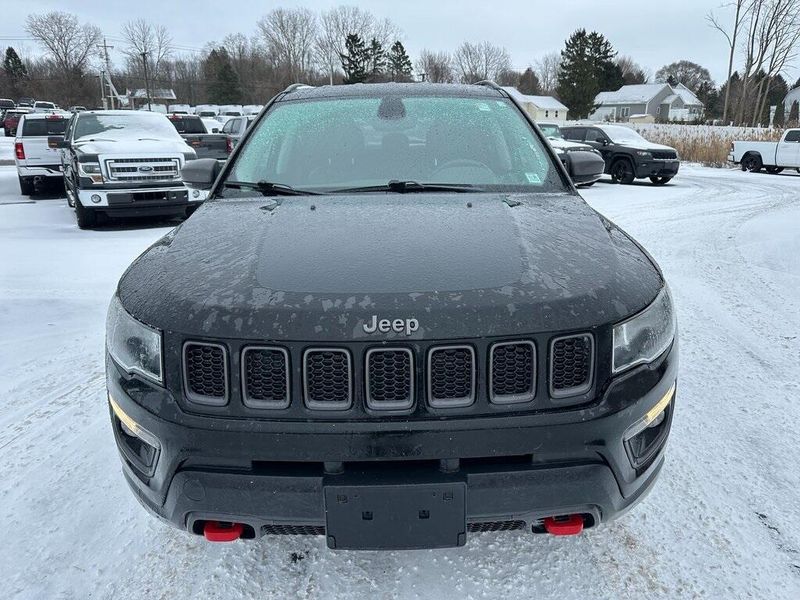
(627, 154)
(394, 323)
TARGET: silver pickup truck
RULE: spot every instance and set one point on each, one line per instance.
(773, 157)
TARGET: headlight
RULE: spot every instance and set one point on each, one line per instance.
(644, 154)
(133, 345)
(646, 336)
(89, 168)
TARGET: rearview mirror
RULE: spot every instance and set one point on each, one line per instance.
(56, 141)
(200, 173)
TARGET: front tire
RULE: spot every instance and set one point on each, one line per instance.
(752, 163)
(622, 171)
(26, 186)
(660, 180)
(87, 217)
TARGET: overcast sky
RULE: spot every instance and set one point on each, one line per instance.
(653, 33)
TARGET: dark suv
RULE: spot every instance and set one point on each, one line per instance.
(394, 323)
(627, 154)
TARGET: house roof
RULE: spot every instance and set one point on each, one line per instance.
(792, 97)
(631, 94)
(543, 102)
(689, 99)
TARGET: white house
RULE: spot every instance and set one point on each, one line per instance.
(660, 100)
(540, 108)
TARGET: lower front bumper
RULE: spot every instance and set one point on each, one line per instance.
(658, 168)
(273, 476)
(137, 201)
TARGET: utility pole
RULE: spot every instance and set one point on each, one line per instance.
(107, 73)
(146, 80)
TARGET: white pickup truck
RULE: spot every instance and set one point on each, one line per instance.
(774, 157)
(36, 160)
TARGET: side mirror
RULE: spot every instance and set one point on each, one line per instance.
(215, 130)
(200, 173)
(56, 141)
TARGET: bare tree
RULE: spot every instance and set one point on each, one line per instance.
(152, 40)
(743, 7)
(546, 69)
(476, 62)
(289, 35)
(436, 67)
(632, 72)
(69, 44)
(337, 23)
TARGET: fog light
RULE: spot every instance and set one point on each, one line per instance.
(96, 198)
(139, 445)
(195, 193)
(646, 436)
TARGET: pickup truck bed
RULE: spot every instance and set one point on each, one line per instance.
(33, 156)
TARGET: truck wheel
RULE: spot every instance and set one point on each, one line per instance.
(660, 180)
(87, 217)
(622, 171)
(26, 186)
(752, 163)
(774, 170)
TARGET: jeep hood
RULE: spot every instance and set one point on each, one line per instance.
(318, 268)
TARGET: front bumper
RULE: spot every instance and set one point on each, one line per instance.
(657, 168)
(273, 475)
(137, 201)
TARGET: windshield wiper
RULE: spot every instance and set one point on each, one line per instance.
(269, 189)
(411, 187)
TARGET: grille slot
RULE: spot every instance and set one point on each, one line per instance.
(486, 526)
(327, 379)
(205, 373)
(512, 372)
(265, 377)
(275, 529)
(451, 376)
(571, 365)
(664, 154)
(389, 378)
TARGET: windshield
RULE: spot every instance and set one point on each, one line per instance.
(622, 135)
(550, 130)
(345, 143)
(134, 125)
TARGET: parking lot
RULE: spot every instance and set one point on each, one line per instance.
(721, 522)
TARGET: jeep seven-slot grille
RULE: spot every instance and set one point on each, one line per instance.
(205, 373)
(512, 374)
(390, 378)
(327, 375)
(664, 154)
(265, 377)
(451, 376)
(571, 360)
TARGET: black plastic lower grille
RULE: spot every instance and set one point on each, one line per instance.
(265, 373)
(485, 526)
(451, 376)
(293, 530)
(513, 372)
(326, 379)
(571, 360)
(390, 378)
(205, 371)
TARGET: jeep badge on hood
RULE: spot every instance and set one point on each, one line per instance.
(407, 326)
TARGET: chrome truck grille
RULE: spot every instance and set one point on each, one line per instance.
(143, 169)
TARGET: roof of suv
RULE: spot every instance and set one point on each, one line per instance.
(379, 90)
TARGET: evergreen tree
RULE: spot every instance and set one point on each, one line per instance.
(794, 115)
(15, 70)
(376, 60)
(399, 63)
(779, 120)
(223, 85)
(587, 68)
(355, 59)
(529, 83)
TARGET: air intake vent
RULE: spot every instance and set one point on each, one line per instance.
(390, 378)
(451, 376)
(571, 362)
(512, 376)
(265, 377)
(327, 379)
(205, 373)
(293, 530)
(485, 526)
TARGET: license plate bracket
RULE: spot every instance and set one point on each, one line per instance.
(396, 516)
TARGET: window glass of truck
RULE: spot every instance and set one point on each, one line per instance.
(42, 127)
(339, 143)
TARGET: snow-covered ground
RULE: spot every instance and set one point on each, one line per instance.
(722, 522)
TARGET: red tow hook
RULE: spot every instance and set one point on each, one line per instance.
(569, 525)
(214, 531)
